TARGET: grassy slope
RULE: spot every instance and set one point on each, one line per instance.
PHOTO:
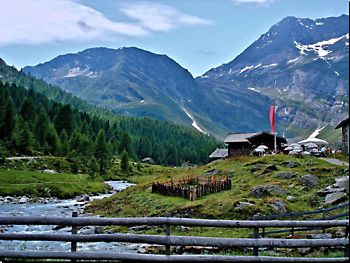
(31, 183)
(20, 177)
(139, 201)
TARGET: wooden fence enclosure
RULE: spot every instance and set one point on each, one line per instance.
(192, 187)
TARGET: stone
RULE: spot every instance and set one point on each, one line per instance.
(65, 229)
(286, 175)
(242, 205)
(185, 228)
(87, 230)
(49, 171)
(179, 250)
(267, 190)
(23, 200)
(335, 198)
(329, 190)
(290, 164)
(279, 206)
(291, 198)
(256, 167)
(84, 198)
(342, 182)
(212, 172)
(309, 180)
(9, 199)
(340, 233)
(151, 249)
(133, 246)
(270, 168)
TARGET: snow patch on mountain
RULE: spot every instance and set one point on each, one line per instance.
(320, 47)
(246, 68)
(78, 72)
(270, 65)
(292, 60)
(194, 123)
(301, 23)
(253, 89)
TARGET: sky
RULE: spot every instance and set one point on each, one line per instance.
(197, 34)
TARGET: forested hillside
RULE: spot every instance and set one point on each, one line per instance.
(32, 124)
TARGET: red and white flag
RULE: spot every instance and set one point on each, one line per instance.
(272, 118)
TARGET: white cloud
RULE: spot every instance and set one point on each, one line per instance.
(158, 17)
(45, 21)
(257, 2)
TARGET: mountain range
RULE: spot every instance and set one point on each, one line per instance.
(299, 64)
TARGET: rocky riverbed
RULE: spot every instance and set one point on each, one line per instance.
(51, 207)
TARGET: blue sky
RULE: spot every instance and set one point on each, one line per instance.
(198, 34)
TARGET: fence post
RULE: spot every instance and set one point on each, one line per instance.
(323, 217)
(346, 252)
(73, 246)
(263, 232)
(167, 233)
(256, 235)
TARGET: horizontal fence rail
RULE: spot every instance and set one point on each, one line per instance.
(162, 258)
(157, 221)
(170, 240)
(182, 240)
(292, 230)
(298, 214)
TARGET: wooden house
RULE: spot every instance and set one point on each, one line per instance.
(344, 125)
(245, 143)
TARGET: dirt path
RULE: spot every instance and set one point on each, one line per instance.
(335, 161)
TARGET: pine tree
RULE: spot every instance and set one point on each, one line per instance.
(86, 146)
(41, 126)
(126, 145)
(3, 100)
(93, 168)
(53, 140)
(65, 120)
(145, 148)
(25, 139)
(8, 121)
(124, 163)
(27, 110)
(64, 143)
(101, 152)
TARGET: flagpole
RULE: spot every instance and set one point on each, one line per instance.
(272, 122)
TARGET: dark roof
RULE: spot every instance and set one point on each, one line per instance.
(343, 123)
(239, 137)
(279, 138)
(219, 153)
(247, 137)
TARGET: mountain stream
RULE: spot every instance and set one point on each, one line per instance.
(58, 208)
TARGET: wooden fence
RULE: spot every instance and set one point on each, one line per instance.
(193, 187)
(299, 215)
(168, 240)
